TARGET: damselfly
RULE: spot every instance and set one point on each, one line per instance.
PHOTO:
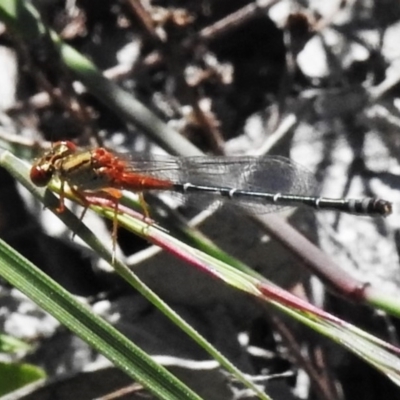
(258, 184)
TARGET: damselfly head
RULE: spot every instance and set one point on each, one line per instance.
(44, 167)
(41, 173)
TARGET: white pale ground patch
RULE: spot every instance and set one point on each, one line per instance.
(253, 136)
(103, 308)
(312, 59)
(357, 52)
(313, 62)
(377, 155)
(358, 248)
(396, 102)
(186, 363)
(254, 127)
(328, 8)
(392, 76)
(8, 77)
(27, 320)
(357, 244)
(129, 54)
(304, 154)
(303, 383)
(279, 12)
(99, 363)
(117, 141)
(390, 46)
(363, 246)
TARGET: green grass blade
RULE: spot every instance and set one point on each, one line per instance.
(98, 333)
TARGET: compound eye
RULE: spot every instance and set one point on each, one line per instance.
(41, 176)
(64, 148)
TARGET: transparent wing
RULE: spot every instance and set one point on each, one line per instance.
(252, 174)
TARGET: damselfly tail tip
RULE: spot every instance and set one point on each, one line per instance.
(383, 207)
